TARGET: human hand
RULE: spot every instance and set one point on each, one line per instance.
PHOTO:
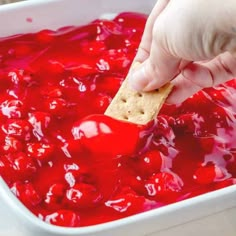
(191, 42)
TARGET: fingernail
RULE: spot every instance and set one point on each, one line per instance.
(137, 79)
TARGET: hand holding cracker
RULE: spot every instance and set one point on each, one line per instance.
(137, 107)
(178, 36)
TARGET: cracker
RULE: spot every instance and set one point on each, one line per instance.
(137, 107)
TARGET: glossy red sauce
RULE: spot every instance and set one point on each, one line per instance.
(72, 166)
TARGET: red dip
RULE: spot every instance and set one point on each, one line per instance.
(72, 168)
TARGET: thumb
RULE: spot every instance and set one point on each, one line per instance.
(158, 69)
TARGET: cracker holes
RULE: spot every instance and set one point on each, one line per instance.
(141, 111)
(124, 100)
(125, 117)
(140, 95)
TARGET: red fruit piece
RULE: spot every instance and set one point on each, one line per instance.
(12, 145)
(21, 129)
(189, 123)
(109, 27)
(164, 187)
(149, 163)
(134, 181)
(103, 134)
(40, 122)
(45, 36)
(209, 173)
(64, 218)
(23, 166)
(56, 106)
(82, 196)
(40, 151)
(26, 193)
(220, 118)
(117, 41)
(20, 76)
(225, 183)
(75, 173)
(163, 128)
(207, 143)
(131, 20)
(127, 204)
(13, 108)
(114, 60)
(54, 196)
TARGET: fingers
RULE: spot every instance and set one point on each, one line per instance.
(158, 65)
(158, 69)
(189, 82)
(144, 47)
(197, 76)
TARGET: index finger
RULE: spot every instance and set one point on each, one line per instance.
(146, 41)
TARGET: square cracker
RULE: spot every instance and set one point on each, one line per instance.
(137, 107)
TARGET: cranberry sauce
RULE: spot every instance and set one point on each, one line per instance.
(72, 166)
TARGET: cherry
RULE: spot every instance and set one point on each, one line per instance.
(56, 106)
(82, 196)
(20, 76)
(103, 134)
(54, 196)
(225, 183)
(21, 129)
(26, 193)
(40, 151)
(45, 36)
(207, 143)
(189, 123)
(148, 163)
(63, 218)
(131, 20)
(40, 122)
(12, 145)
(13, 108)
(126, 204)
(164, 186)
(114, 60)
(132, 179)
(23, 166)
(108, 26)
(220, 117)
(209, 173)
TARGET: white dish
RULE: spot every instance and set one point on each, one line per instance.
(210, 214)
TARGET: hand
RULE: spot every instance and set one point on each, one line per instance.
(191, 42)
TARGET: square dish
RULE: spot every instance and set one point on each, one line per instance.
(191, 215)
